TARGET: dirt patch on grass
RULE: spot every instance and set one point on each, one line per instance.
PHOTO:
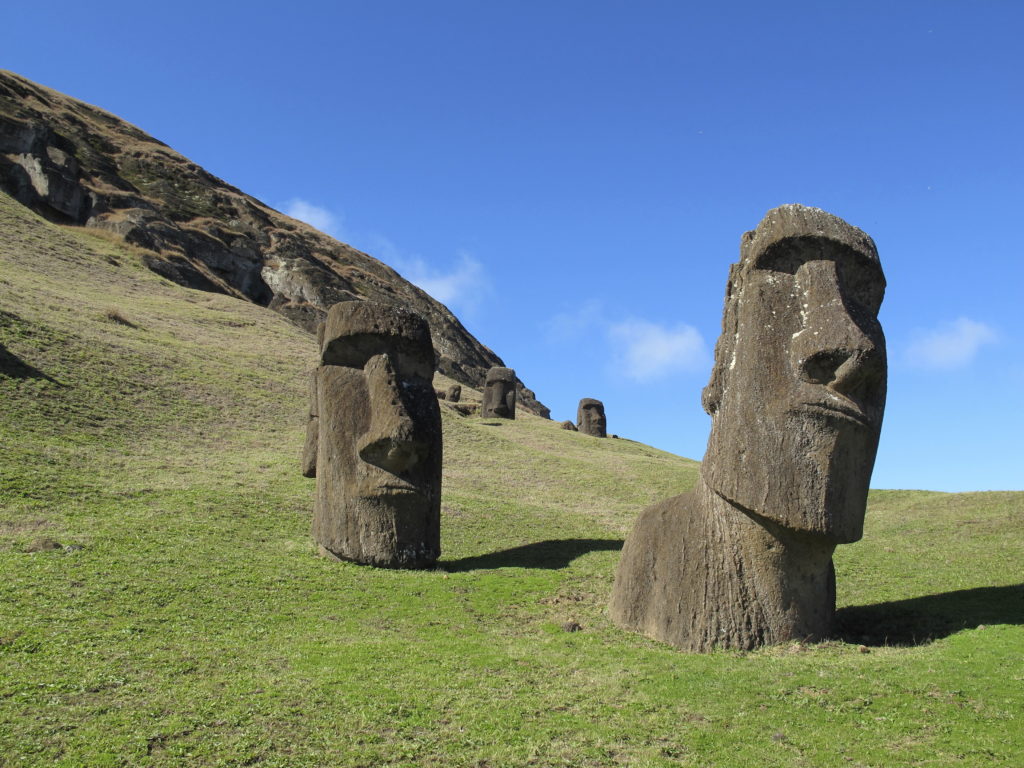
(22, 527)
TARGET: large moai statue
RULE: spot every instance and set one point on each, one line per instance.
(590, 419)
(499, 400)
(796, 399)
(378, 438)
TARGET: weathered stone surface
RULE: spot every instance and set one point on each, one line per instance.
(796, 398)
(568, 425)
(590, 418)
(453, 394)
(312, 432)
(464, 409)
(74, 163)
(378, 470)
(499, 398)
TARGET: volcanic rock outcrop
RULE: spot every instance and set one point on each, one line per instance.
(76, 164)
(796, 399)
(378, 445)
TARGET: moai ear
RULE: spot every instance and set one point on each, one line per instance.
(711, 397)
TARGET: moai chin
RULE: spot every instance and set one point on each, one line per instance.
(378, 441)
(796, 399)
(499, 399)
(590, 419)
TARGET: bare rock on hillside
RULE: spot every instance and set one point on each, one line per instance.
(76, 164)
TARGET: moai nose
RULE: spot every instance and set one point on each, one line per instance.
(831, 349)
(390, 443)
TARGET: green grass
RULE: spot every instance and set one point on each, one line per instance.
(184, 619)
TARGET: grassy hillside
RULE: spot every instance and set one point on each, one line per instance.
(161, 602)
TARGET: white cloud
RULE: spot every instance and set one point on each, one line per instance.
(571, 325)
(314, 215)
(644, 351)
(951, 345)
(465, 285)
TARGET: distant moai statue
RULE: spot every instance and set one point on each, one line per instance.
(499, 400)
(454, 393)
(590, 419)
(796, 399)
(567, 424)
(378, 438)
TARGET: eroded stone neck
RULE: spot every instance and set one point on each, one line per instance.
(778, 585)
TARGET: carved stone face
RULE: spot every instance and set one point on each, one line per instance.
(499, 396)
(591, 419)
(798, 388)
(379, 454)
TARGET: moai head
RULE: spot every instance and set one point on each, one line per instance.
(798, 386)
(590, 417)
(499, 398)
(379, 455)
(454, 393)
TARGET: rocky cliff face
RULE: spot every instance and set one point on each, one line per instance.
(77, 164)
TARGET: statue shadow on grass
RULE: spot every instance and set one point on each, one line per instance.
(552, 554)
(14, 367)
(921, 620)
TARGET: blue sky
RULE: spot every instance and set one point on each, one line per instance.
(572, 178)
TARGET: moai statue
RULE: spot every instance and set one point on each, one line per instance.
(590, 418)
(499, 399)
(378, 452)
(454, 393)
(796, 399)
(312, 423)
(568, 425)
(312, 432)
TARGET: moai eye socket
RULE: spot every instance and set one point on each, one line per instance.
(861, 277)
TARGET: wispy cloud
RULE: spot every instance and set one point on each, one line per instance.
(952, 345)
(314, 215)
(572, 324)
(461, 286)
(641, 350)
(645, 351)
(464, 284)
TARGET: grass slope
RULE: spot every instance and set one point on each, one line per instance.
(161, 602)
